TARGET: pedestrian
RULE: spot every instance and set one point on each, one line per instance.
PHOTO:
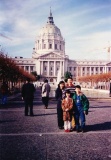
(28, 90)
(70, 86)
(67, 105)
(45, 93)
(81, 108)
(59, 95)
(110, 88)
(4, 93)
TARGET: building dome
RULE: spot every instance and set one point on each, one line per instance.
(49, 39)
(50, 29)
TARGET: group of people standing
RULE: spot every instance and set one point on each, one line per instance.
(72, 106)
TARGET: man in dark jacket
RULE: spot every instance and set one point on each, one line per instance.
(28, 90)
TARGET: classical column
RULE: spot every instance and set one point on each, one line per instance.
(48, 68)
(63, 69)
(98, 70)
(77, 72)
(41, 67)
(90, 71)
(94, 70)
(105, 69)
(86, 71)
(54, 68)
(81, 71)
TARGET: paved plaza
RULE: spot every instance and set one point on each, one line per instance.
(38, 137)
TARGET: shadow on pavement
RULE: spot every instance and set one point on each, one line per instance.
(99, 127)
(44, 114)
(6, 121)
(100, 106)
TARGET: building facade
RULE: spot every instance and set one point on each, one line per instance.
(48, 57)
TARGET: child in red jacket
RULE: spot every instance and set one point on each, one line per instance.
(67, 106)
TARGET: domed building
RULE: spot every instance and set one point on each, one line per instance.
(49, 58)
(49, 51)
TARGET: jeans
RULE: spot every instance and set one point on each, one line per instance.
(79, 114)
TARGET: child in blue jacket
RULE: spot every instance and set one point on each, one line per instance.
(81, 108)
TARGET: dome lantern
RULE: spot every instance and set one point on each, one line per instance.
(50, 18)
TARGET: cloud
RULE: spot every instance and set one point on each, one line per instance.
(83, 25)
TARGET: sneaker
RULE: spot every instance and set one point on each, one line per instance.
(82, 130)
(77, 130)
(45, 107)
(66, 130)
(61, 127)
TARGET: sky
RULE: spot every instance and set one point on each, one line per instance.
(84, 24)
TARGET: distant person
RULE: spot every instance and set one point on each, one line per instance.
(28, 90)
(45, 93)
(4, 93)
(81, 108)
(67, 105)
(70, 86)
(59, 95)
(110, 89)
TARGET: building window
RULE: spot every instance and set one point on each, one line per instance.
(27, 68)
(31, 68)
(51, 68)
(69, 68)
(44, 46)
(74, 68)
(60, 47)
(45, 68)
(55, 46)
(88, 68)
(45, 63)
(83, 69)
(50, 46)
(101, 68)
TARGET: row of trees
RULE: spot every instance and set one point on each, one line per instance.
(10, 72)
(99, 81)
(96, 78)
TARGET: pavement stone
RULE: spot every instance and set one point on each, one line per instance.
(38, 138)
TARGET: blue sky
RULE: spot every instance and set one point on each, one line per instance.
(84, 24)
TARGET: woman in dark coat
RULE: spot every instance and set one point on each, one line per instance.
(60, 94)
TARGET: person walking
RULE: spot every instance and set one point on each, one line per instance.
(67, 105)
(45, 93)
(4, 93)
(81, 108)
(28, 90)
(59, 95)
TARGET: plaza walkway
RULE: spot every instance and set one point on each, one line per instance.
(38, 137)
